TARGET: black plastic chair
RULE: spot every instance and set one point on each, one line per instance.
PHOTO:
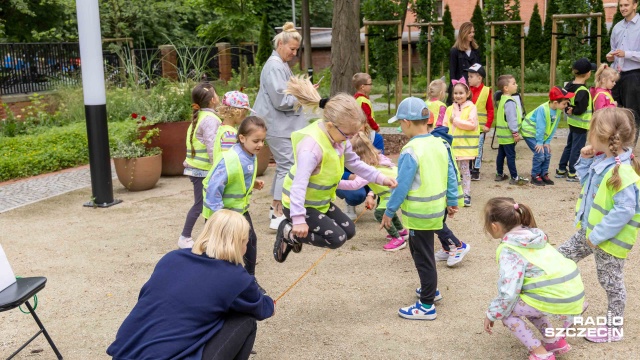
(19, 293)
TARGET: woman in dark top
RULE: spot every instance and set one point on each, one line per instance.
(462, 55)
(199, 303)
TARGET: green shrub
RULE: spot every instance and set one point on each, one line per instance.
(50, 150)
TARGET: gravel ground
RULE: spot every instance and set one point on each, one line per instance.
(96, 261)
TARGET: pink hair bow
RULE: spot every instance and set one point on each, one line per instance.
(462, 81)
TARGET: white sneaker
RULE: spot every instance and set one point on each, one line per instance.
(275, 221)
(351, 212)
(442, 255)
(185, 242)
(455, 256)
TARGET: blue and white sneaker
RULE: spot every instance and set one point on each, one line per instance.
(438, 296)
(418, 311)
(455, 256)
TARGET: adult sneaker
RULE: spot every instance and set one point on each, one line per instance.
(438, 296)
(275, 220)
(518, 181)
(547, 180)
(538, 181)
(455, 256)
(442, 255)
(558, 347)
(395, 244)
(561, 173)
(351, 212)
(502, 177)
(418, 311)
(467, 200)
(572, 177)
(185, 242)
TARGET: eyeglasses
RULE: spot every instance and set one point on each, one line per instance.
(348, 137)
(369, 84)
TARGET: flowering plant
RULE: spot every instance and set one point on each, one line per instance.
(135, 143)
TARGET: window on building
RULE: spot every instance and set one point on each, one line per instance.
(439, 5)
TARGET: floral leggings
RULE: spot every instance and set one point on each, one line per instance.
(520, 329)
(608, 267)
(465, 171)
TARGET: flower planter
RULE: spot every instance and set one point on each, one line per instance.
(264, 158)
(173, 142)
(139, 174)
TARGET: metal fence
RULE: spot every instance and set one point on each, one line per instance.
(36, 67)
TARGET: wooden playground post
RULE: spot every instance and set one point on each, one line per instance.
(554, 40)
(493, 24)
(429, 26)
(366, 51)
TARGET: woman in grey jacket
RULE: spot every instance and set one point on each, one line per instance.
(281, 111)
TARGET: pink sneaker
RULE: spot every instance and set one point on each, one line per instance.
(558, 347)
(395, 244)
(547, 356)
(403, 234)
(604, 334)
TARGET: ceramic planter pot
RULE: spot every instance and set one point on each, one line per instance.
(264, 158)
(173, 142)
(139, 174)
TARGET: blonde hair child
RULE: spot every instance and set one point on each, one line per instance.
(527, 261)
(607, 212)
(320, 150)
(436, 94)
(462, 117)
(363, 84)
(362, 146)
(234, 108)
(605, 80)
(200, 151)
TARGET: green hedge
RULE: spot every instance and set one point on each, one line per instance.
(50, 150)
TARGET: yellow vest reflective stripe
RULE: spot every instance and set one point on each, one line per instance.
(321, 189)
(363, 100)
(620, 245)
(605, 93)
(434, 107)
(425, 206)
(503, 133)
(465, 142)
(217, 144)
(236, 196)
(582, 120)
(528, 126)
(481, 105)
(201, 159)
(459, 176)
(560, 290)
(383, 192)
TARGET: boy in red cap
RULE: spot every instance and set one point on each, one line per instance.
(538, 128)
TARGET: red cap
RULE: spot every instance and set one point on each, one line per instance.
(557, 93)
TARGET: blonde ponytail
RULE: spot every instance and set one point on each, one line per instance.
(287, 34)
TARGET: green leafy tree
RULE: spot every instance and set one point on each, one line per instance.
(448, 30)
(264, 44)
(598, 7)
(425, 11)
(29, 21)
(617, 17)
(534, 45)
(575, 44)
(552, 8)
(383, 39)
(479, 26)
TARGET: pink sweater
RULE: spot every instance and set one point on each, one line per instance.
(602, 101)
(359, 182)
(309, 158)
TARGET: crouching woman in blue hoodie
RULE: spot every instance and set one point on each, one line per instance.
(199, 303)
(535, 280)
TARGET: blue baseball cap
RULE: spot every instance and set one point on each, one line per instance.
(411, 108)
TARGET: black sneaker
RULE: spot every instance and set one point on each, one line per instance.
(475, 175)
(561, 173)
(467, 200)
(502, 177)
(547, 180)
(278, 253)
(572, 177)
(260, 288)
(537, 181)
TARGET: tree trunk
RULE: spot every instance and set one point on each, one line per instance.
(306, 37)
(345, 45)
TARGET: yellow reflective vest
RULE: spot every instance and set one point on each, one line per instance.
(481, 105)
(217, 144)
(201, 159)
(582, 120)
(425, 205)
(621, 244)
(384, 192)
(503, 133)
(560, 290)
(321, 189)
(465, 142)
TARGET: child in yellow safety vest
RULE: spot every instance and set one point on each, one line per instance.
(579, 114)
(427, 190)
(483, 99)
(321, 151)
(605, 80)
(436, 94)
(362, 146)
(232, 178)
(363, 85)
(607, 212)
(200, 139)
(537, 130)
(535, 280)
(462, 120)
(234, 108)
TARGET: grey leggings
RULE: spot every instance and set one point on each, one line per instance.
(609, 269)
(282, 151)
(196, 209)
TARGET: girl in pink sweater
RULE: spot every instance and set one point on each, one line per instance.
(606, 78)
